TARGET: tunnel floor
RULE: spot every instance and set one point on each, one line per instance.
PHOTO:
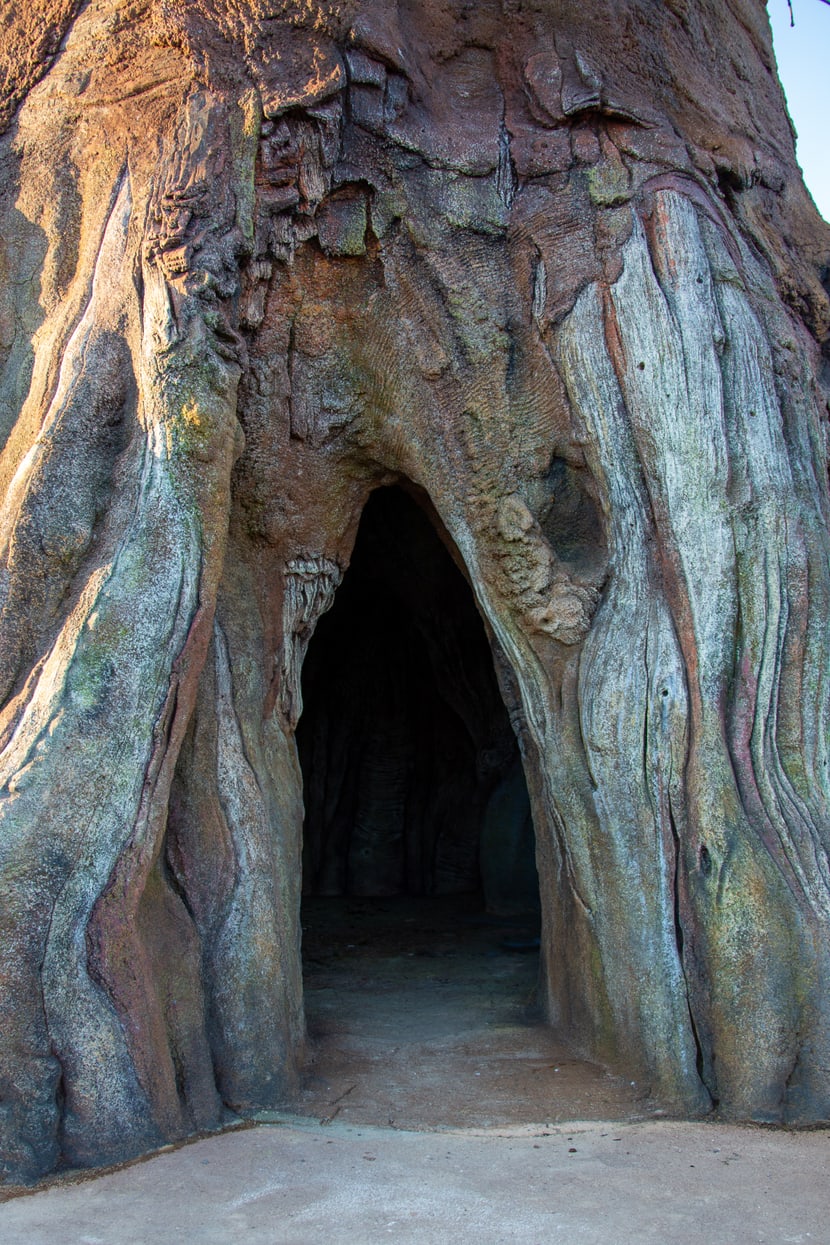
(420, 1016)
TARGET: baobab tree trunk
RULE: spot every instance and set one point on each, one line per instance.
(551, 266)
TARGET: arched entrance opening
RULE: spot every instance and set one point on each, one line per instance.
(413, 783)
(421, 899)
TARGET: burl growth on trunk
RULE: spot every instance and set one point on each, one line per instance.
(551, 269)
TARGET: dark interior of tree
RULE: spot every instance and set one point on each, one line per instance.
(413, 782)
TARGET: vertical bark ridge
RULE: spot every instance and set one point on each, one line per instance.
(632, 697)
(115, 680)
(747, 939)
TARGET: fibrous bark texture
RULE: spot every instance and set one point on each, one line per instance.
(550, 267)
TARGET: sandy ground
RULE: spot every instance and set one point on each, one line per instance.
(297, 1184)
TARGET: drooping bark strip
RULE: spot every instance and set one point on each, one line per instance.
(553, 270)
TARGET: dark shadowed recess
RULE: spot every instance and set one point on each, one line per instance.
(413, 783)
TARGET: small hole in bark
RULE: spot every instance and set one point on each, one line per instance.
(705, 861)
(570, 518)
(641, 366)
(730, 183)
(665, 691)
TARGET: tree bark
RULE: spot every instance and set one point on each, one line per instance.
(552, 266)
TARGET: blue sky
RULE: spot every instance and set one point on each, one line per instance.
(803, 54)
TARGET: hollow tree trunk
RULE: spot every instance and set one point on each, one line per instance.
(551, 265)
